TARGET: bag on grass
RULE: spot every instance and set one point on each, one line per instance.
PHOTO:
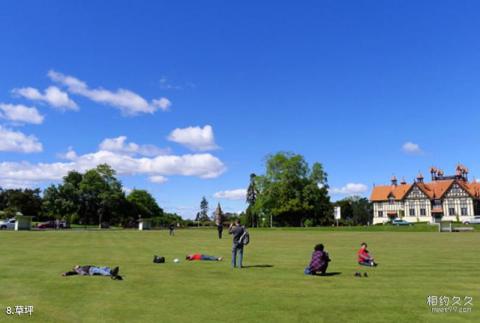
(158, 260)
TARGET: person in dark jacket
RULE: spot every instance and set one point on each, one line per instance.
(171, 227)
(89, 270)
(237, 231)
(220, 230)
(319, 262)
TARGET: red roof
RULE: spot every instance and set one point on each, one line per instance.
(381, 193)
(434, 189)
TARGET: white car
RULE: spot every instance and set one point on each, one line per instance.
(474, 220)
(7, 224)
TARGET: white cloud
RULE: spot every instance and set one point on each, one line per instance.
(195, 138)
(158, 179)
(162, 103)
(199, 165)
(52, 95)
(130, 103)
(411, 148)
(238, 194)
(20, 113)
(350, 189)
(16, 141)
(119, 145)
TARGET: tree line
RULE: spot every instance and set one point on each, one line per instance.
(289, 193)
(94, 197)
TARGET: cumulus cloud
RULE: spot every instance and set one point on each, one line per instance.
(199, 165)
(120, 145)
(20, 113)
(53, 96)
(162, 103)
(128, 102)
(411, 148)
(195, 138)
(16, 141)
(350, 189)
(158, 179)
(238, 194)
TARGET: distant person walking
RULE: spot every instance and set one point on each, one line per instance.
(237, 231)
(171, 227)
(220, 230)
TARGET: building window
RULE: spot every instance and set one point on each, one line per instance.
(464, 210)
(451, 211)
(380, 214)
(423, 212)
(412, 212)
(391, 200)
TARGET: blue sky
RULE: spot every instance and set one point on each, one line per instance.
(367, 88)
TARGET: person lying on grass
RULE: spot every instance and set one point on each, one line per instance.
(364, 257)
(199, 256)
(94, 271)
(319, 262)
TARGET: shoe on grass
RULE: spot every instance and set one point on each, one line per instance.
(114, 271)
(357, 274)
(365, 275)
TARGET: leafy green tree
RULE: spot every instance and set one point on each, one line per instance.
(290, 192)
(102, 195)
(27, 201)
(144, 204)
(3, 200)
(356, 210)
(64, 200)
(251, 217)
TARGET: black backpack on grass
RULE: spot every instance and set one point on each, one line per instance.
(158, 260)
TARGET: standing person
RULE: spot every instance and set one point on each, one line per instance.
(319, 262)
(237, 231)
(220, 230)
(171, 227)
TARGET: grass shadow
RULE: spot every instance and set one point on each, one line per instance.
(334, 273)
(258, 266)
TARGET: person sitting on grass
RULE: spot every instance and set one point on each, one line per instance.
(319, 262)
(199, 256)
(94, 271)
(364, 257)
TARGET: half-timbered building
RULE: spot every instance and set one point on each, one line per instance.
(444, 198)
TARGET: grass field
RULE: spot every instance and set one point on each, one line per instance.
(413, 266)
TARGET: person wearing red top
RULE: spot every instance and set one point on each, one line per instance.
(364, 257)
(199, 256)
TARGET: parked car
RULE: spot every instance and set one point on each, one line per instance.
(474, 220)
(401, 222)
(52, 225)
(7, 224)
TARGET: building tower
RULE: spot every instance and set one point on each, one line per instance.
(218, 215)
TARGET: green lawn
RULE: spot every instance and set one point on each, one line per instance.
(413, 265)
